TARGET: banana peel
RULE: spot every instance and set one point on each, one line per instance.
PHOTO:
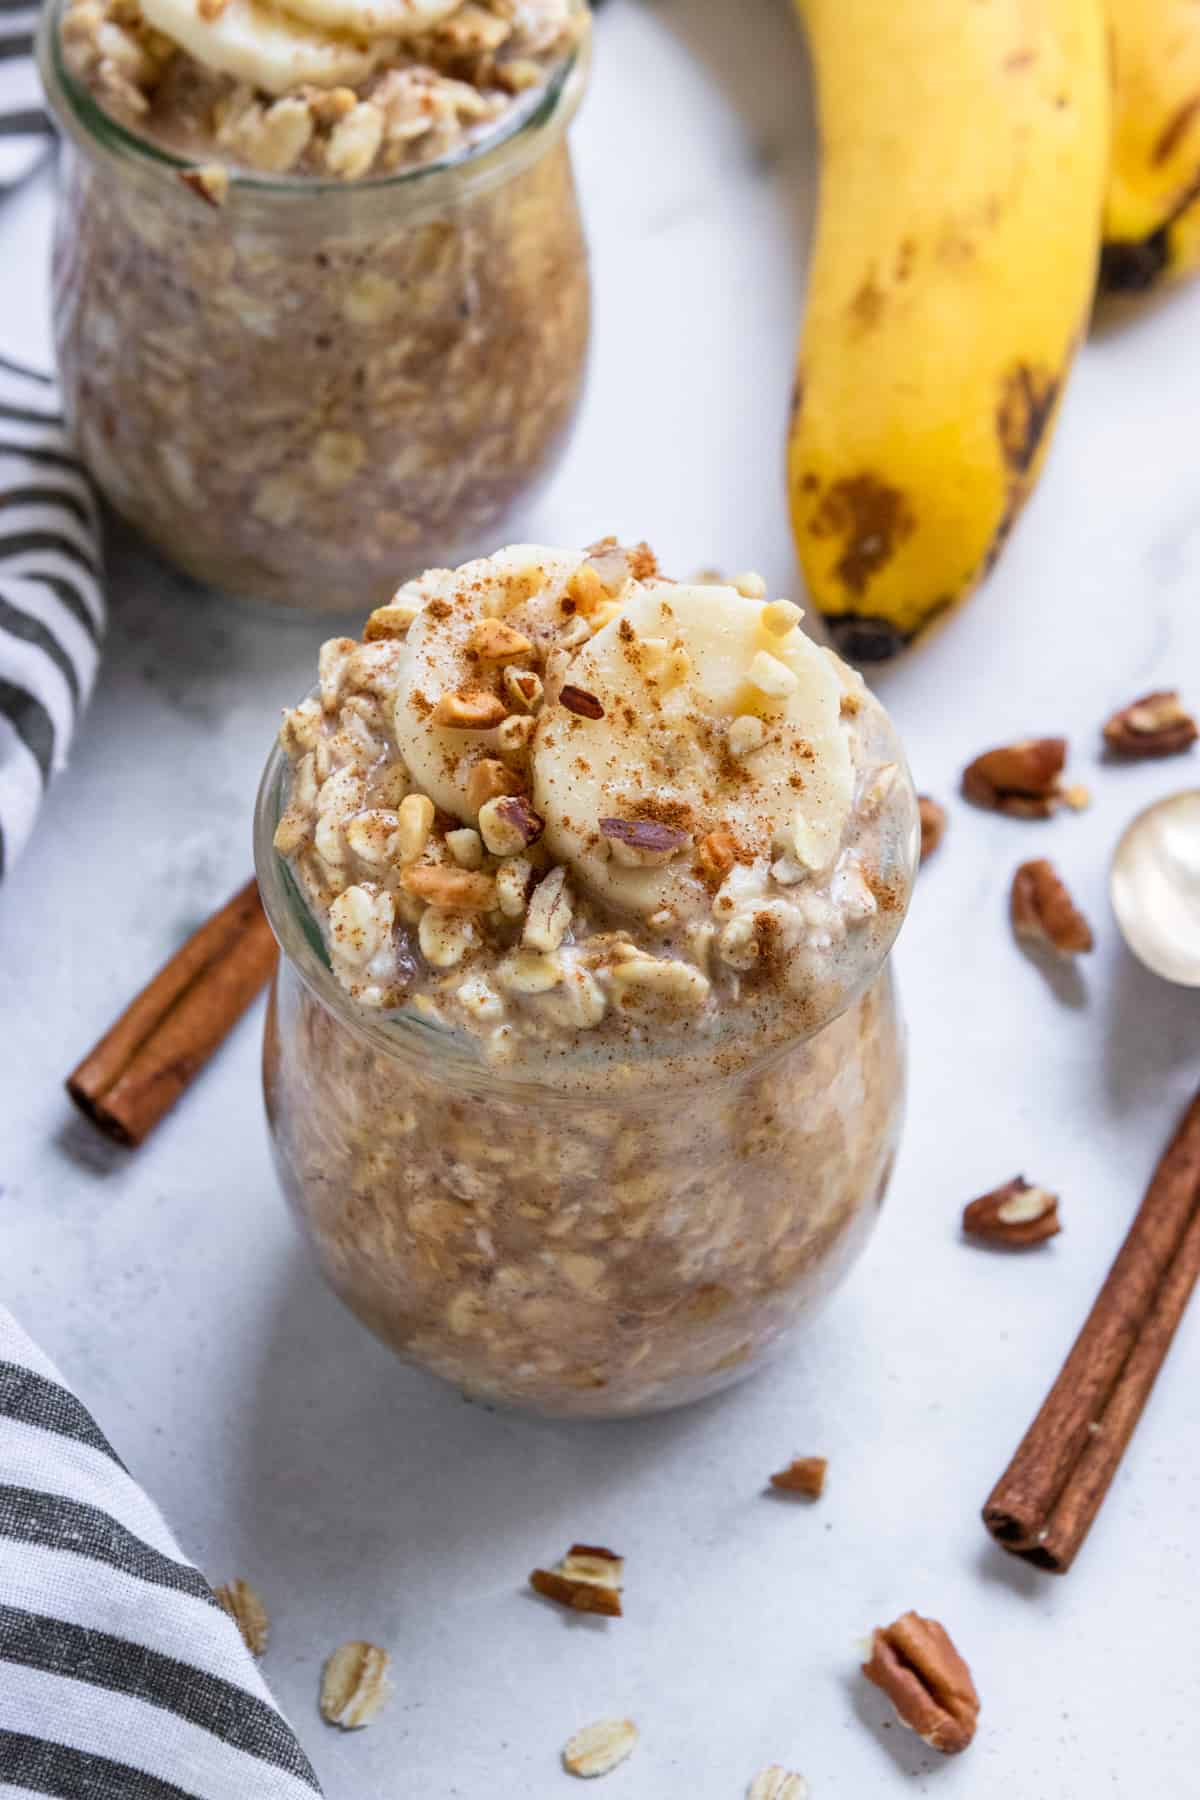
(964, 164)
(1152, 210)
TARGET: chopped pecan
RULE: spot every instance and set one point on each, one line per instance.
(578, 700)
(588, 1579)
(209, 182)
(716, 854)
(933, 824)
(1156, 725)
(489, 778)
(470, 709)
(509, 824)
(1017, 1214)
(586, 591)
(1044, 913)
(644, 834)
(803, 1475)
(915, 1664)
(453, 890)
(1020, 779)
(494, 641)
(390, 621)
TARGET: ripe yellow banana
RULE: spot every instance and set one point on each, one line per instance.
(1152, 214)
(964, 157)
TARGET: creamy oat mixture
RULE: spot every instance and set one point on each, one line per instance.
(553, 796)
(335, 88)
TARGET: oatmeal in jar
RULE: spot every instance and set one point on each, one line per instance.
(583, 1066)
(321, 294)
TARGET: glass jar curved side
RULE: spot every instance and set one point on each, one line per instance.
(308, 392)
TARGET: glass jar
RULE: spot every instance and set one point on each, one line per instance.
(574, 1246)
(305, 392)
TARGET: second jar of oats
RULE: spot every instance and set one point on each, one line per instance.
(321, 298)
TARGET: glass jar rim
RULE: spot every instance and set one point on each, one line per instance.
(77, 111)
(406, 1034)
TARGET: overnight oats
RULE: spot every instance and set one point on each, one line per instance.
(583, 1066)
(320, 285)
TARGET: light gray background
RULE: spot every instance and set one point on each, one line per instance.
(364, 1500)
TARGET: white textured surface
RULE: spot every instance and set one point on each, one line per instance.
(364, 1500)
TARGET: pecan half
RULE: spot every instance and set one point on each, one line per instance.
(933, 824)
(803, 1475)
(588, 1579)
(1019, 779)
(454, 890)
(1017, 1214)
(1156, 725)
(915, 1664)
(470, 709)
(1043, 912)
(578, 700)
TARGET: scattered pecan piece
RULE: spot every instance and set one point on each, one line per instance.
(496, 642)
(915, 1664)
(1156, 725)
(1017, 1214)
(803, 1475)
(578, 700)
(586, 591)
(509, 824)
(454, 890)
(470, 709)
(1020, 779)
(588, 1579)
(716, 854)
(933, 824)
(390, 621)
(248, 1613)
(355, 1685)
(644, 834)
(1043, 912)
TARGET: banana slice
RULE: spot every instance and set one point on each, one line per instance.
(698, 732)
(372, 18)
(520, 588)
(256, 44)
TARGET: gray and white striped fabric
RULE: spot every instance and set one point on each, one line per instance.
(24, 127)
(120, 1676)
(51, 606)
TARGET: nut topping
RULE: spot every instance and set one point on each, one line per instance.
(1019, 779)
(598, 1748)
(1155, 725)
(578, 700)
(933, 824)
(915, 1664)
(210, 182)
(470, 709)
(645, 834)
(803, 1475)
(1017, 1214)
(494, 641)
(390, 621)
(355, 1685)
(488, 779)
(716, 854)
(1043, 912)
(509, 825)
(454, 890)
(248, 1613)
(588, 1579)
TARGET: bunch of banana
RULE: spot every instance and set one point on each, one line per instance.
(965, 149)
(1152, 214)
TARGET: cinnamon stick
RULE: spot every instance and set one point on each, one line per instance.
(1043, 1505)
(140, 1067)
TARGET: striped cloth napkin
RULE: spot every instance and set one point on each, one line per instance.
(51, 606)
(24, 127)
(121, 1678)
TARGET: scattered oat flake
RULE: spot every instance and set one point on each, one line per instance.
(248, 1613)
(599, 1748)
(355, 1685)
(803, 1475)
(775, 1783)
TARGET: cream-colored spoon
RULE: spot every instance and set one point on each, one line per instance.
(1155, 887)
